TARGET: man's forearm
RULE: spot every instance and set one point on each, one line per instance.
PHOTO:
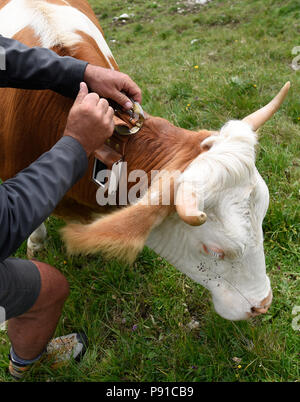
(40, 68)
(31, 196)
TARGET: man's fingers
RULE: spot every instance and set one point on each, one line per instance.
(91, 99)
(132, 90)
(110, 112)
(121, 100)
(110, 121)
(109, 116)
(83, 92)
(137, 94)
(103, 105)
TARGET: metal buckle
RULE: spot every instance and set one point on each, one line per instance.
(101, 178)
(99, 166)
(136, 117)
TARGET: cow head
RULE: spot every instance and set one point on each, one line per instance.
(216, 235)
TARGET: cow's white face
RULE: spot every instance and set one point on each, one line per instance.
(225, 254)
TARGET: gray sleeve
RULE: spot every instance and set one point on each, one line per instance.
(39, 68)
(30, 197)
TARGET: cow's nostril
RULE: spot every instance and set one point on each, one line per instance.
(259, 310)
(254, 311)
(264, 306)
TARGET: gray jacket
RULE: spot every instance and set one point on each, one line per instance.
(27, 199)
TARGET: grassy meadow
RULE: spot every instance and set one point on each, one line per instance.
(198, 66)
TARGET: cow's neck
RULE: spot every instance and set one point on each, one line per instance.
(160, 145)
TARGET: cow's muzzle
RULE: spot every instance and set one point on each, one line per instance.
(263, 306)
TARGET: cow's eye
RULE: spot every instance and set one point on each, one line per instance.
(214, 251)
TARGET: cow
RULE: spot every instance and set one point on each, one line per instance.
(212, 228)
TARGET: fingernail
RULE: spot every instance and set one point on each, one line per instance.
(128, 105)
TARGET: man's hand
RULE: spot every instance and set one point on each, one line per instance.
(90, 120)
(113, 85)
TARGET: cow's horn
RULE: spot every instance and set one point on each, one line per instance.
(258, 118)
(187, 205)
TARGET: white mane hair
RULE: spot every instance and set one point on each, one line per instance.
(229, 162)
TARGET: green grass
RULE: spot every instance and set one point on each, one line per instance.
(136, 316)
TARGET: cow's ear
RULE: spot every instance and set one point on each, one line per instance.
(120, 235)
(210, 141)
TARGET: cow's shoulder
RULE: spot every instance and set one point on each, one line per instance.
(68, 27)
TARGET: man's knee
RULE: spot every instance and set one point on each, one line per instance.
(54, 285)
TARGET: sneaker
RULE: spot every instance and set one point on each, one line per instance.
(64, 348)
(58, 352)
